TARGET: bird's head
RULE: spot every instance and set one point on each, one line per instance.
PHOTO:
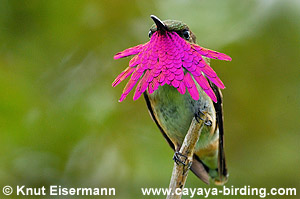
(172, 26)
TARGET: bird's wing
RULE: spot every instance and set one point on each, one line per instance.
(197, 166)
(156, 122)
(222, 169)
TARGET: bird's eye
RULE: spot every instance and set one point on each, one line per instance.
(150, 33)
(186, 34)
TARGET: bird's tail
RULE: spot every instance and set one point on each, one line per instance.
(202, 171)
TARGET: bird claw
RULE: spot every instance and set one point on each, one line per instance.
(199, 115)
(189, 165)
(185, 163)
(179, 160)
(208, 122)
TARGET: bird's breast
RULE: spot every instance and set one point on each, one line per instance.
(174, 111)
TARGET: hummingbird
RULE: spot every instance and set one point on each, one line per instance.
(164, 68)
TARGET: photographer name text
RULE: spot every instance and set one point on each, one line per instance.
(58, 190)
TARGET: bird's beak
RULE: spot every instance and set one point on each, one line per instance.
(159, 24)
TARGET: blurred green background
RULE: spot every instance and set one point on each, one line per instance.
(60, 120)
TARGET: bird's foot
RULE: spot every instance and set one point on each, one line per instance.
(208, 122)
(199, 115)
(188, 166)
(179, 158)
(202, 115)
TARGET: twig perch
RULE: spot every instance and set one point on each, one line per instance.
(180, 171)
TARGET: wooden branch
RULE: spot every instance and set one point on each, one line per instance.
(180, 171)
